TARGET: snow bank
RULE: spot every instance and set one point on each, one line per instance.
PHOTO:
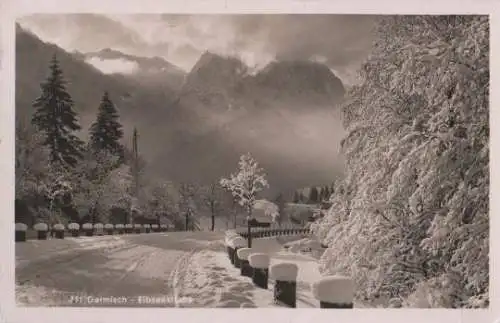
(41, 227)
(334, 289)
(108, 226)
(243, 253)
(73, 226)
(259, 260)
(284, 271)
(87, 226)
(21, 227)
(58, 227)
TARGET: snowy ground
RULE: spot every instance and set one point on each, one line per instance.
(129, 270)
(175, 269)
(218, 284)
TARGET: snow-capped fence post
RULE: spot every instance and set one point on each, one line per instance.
(237, 242)
(246, 269)
(21, 229)
(108, 227)
(129, 228)
(334, 292)
(120, 228)
(74, 229)
(260, 269)
(99, 229)
(285, 287)
(41, 229)
(58, 230)
(88, 228)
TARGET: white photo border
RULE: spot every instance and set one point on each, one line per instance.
(10, 10)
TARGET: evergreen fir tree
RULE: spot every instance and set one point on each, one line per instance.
(54, 116)
(106, 131)
(326, 193)
(313, 195)
(321, 194)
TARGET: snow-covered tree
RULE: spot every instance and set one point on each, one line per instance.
(101, 185)
(246, 184)
(410, 219)
(187, 204)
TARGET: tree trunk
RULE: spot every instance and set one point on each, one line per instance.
(213, 218)
(187, 220)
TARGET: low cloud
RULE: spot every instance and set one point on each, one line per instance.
(113, 66)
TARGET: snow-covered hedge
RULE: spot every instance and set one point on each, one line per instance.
(21, 227)
(119, 226)
(146, 226)
(108, 226)
(98, 226)
(334, 290)
(259, 260)
(73, 226)
(87, 226)
(154, 226)
(243, 253)
(164, 226)
(137, 226)
(58, 227)
(41, 227)
(129, 226)
(284, 271)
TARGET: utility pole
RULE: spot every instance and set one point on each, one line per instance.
(135, 156)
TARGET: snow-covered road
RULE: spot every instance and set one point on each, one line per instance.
(126, 270)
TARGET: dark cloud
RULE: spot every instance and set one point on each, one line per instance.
(342, 41)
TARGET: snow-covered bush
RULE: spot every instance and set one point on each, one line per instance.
(259, 260)
(154, 226)
(129, 226)
(109, 226)
(119, 226)
(243, 253)
(41, 227)
(21, 227)
(334, 290)
(98, 226)
(58, 227)
(413, 208)
(146, 226)
(137, 226)
(87, 226)
(73, 226)
(284, 271)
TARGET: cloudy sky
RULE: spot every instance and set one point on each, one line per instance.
(341, 41)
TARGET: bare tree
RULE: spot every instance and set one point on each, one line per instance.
(187, 192)
(212, 198)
